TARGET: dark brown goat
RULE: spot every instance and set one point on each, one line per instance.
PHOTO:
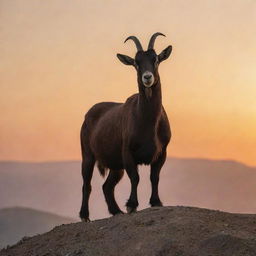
(122, 136)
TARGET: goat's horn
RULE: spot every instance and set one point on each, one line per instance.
(152, 40)
(136, 41)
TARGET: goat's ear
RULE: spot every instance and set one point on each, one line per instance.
(165, 53)
(125, 59)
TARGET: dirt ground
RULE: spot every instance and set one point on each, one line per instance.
(155, 231)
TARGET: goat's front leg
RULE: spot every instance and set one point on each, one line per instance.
(132, 171)
(154, 178)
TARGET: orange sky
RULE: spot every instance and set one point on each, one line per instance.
(58, 58)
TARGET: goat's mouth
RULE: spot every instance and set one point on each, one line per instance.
(148, 84)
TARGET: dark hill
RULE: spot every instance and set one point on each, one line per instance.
(18, 222)
(174, 231)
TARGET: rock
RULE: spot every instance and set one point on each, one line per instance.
(173, 231)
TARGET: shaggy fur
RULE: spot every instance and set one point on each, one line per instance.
(121, 136)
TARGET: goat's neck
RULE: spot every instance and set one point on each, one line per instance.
(150, 107)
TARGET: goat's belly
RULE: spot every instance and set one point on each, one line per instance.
(109, 157)
(113, 163)
(146, 154)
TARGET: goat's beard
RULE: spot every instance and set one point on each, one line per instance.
(148, 92)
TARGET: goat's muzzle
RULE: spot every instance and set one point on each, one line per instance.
(148, 79)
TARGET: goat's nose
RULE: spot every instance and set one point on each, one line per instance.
(148, 76)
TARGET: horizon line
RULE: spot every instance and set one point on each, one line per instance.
(168, 157)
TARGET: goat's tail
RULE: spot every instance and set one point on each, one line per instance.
(102, 169)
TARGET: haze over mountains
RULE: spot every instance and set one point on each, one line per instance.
(18, 222)
(56, 186)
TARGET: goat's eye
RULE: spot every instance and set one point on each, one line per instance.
(156, 62)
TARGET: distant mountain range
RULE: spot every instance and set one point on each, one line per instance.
(18, 222)
(56, 186)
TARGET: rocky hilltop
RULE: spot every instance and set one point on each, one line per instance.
(155, 231)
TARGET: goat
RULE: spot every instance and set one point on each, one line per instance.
(122, 136)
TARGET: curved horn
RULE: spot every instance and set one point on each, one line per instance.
(136, 41)
(152, 40)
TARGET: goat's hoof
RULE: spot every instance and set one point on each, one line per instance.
(117, 213)
(85, 220)
(130, 209)
(156, 203)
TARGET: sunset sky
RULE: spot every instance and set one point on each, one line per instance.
(58, 58)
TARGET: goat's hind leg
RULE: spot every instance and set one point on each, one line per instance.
(87, 170)
(109, 188)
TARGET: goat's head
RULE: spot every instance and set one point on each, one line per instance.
(146, 62)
